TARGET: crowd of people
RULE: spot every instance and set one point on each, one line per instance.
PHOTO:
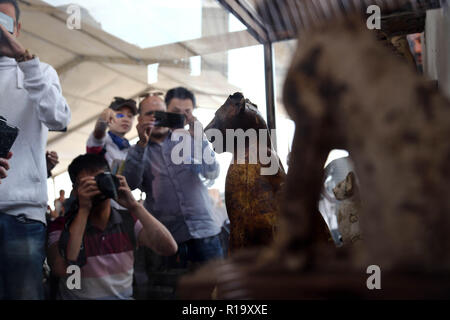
(104, 236)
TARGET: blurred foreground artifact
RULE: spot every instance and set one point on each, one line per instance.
(252, 198)
(346, 91)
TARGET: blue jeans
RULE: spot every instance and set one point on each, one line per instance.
(22, 254)
(200, 250)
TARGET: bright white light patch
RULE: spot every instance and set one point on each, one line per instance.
(196, 66)
(145, 23)
(336, 154)
(152, 73)
(235, 24)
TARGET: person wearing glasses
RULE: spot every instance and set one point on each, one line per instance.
(175, 193)
(118, 118)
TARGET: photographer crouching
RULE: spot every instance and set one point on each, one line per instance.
(99, 238)
(31, 103)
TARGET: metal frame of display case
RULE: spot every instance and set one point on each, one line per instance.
(394, 24)
(248, 16)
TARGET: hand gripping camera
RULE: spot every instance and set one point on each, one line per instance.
(108, 185)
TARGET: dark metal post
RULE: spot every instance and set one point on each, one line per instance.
(259, 32)
(270, 89)
(253, 27)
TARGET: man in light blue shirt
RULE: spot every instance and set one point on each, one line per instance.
(176, 194)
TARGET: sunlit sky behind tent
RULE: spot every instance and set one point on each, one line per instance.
(145, 23)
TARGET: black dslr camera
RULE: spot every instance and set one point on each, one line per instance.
(8, 135)
(108, 185)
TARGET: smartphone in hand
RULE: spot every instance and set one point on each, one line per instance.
(8, 135)
(169, 120)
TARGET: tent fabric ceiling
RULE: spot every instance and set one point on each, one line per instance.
(95, 66)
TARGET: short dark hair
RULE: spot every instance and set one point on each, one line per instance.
(180, 93)
(16, 7)
(87, 162)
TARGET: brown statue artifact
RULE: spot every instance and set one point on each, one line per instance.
(252, 198)
(346, 91)
(393, 123)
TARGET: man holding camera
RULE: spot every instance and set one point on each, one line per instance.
(99, 238)
(31, 100)
(176, 195)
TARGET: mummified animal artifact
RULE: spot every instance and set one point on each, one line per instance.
(346, 91)
(251, 197)
(349, 209)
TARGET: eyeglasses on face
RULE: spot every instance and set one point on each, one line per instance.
(149, 113)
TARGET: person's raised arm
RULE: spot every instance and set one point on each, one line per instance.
(209, 167)
(104, 120)
(40, 80)
(154, 234)
(135, 162)
(86, 191)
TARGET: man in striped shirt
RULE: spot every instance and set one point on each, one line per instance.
(101, 239)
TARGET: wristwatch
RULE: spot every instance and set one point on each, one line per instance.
(25, 57)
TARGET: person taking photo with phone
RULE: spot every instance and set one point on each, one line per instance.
(32, 101)
(175, 193)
